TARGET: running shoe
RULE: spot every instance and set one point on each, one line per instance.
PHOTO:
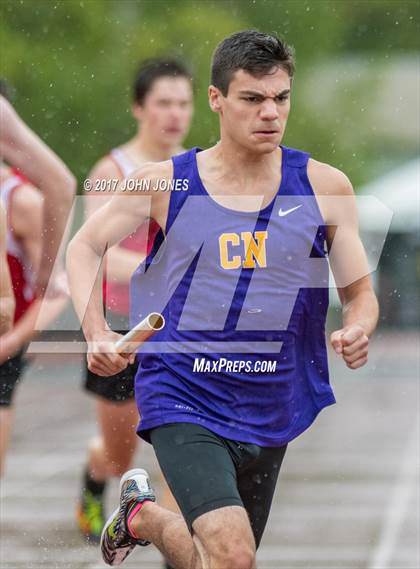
(90, 516)
(116, 541)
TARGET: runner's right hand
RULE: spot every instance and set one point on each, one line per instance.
(102, 356)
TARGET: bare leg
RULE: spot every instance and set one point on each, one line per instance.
(112, 454)
(169, 533)
(222, 538)
(6, 422)
(226, 537)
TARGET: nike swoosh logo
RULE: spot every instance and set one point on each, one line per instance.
(287, 211)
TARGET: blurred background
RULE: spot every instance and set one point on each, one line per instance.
(347, 497)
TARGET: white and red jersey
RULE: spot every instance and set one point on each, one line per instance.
(116, 294)
(23, 279)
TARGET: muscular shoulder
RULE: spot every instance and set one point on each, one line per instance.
(327, 180)
(146, 182)
(154, 171)
(150, 176)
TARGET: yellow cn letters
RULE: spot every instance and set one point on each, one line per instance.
(253, 246)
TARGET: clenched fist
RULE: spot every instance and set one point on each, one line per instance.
(352, 344)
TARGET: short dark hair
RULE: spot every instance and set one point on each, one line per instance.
(152, 69)
(250, 50)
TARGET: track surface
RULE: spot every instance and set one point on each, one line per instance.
(347, 496)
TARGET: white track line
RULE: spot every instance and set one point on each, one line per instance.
(404, 487)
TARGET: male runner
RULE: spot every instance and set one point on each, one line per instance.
(162, 108)
(23, 205)
(220, 434)
(35, 231)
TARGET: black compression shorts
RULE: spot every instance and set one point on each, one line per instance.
(205, 472)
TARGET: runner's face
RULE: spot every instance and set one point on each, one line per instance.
(167, 110)
(254, 112)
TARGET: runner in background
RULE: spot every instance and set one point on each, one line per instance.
(162, 108)
(35, 222)
(22, 206)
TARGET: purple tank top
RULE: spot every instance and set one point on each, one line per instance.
(245, 298)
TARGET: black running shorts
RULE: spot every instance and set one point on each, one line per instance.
(206, 471)
(118, 387)
(10, 372)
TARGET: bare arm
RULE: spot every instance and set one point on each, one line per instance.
(24, 330)
(26, 223)
(349, 264)
(7, 299)
(106, 227)
(22, 148)
(120, 262)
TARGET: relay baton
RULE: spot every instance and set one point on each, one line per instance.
(129, 343)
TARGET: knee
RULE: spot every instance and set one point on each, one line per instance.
(235, 557)
(242, 559)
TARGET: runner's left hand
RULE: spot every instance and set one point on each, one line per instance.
(351, 343)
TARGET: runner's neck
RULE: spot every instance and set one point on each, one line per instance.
(233, 158)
